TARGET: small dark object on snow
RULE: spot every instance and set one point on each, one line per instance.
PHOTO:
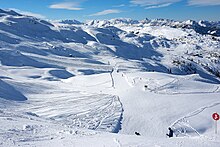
(170, 133)
(136, 133)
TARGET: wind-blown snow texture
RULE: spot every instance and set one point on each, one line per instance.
(67, 83)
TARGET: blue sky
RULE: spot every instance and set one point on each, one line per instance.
(106, 9)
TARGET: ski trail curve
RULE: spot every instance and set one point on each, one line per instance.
(183, 120)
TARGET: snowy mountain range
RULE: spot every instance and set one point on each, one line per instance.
(201, 27)
(64, 82)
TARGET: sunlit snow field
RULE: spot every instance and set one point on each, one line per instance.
(96, 84)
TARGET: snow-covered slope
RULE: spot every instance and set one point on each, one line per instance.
(66, 83)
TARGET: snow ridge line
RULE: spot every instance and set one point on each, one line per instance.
(118, 126)
(109, 114)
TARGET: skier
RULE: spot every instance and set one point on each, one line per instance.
(136, 133)
(170, 133)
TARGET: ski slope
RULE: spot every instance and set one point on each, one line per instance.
(87, 107)
(73, 84)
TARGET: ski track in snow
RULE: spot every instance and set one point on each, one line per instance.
(95, 112)
(163, 89)
(183, 121)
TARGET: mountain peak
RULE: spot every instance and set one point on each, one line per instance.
(9, 12)
(71, 22)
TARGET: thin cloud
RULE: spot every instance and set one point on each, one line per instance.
(29, 13)
(106, 12)
(149, 4)
(158, 6)
(118, 6)
(67, 6)
(145, 3)
(204, 2)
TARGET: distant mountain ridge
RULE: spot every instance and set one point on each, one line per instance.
(202, 26)
(161, 45)
(71, 22)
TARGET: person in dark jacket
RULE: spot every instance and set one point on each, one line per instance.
(136, 133)
(170, 134)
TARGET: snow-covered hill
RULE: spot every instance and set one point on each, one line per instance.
(66, 83)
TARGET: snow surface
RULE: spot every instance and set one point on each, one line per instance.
(67, 84)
